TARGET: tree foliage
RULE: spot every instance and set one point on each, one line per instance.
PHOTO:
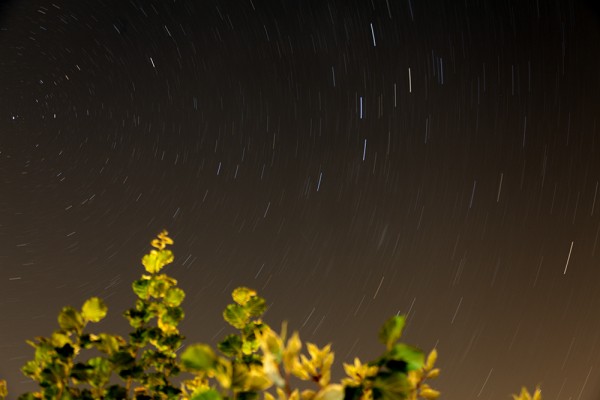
(254, 361)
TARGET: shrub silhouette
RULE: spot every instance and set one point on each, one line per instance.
(255, 360)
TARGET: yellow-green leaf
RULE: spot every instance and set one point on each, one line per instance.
(174, 296)
(391, 387)
(256, 379)
(236, 316)
(210, 394)
(391, 331)
(241, 295)
(413, 357)
(59, 339)
(256, 306)
(108, 343)
(431, 358)
(198, 357)
(94, 309)
(434, 373)
(331, 392)
(156, 260)
(69, 319)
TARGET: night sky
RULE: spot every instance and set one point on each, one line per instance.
(350, 160)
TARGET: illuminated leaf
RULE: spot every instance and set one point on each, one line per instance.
(69, 319)
(290, 353)
(391, 331)
(357, 372)
(59, 339)
(156, 260)
(256, 379)
(210, 394)
(222, 372)
(308, 394)
(250, 346)
(331, 392)
(174, 296)
(198, 357)
(170, 318)
(434, 373)
(231, 345)
(158, 287)
(100, 372)
(431, 358)
(390, 387)
(256, 306)
(412, 356)
(140, 288)
(31, 369)
(241, 295)
(537, 395)
(94, 309)
(43, 353)
(235, 315)
(271, 369)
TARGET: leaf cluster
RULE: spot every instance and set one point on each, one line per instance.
(255, 360)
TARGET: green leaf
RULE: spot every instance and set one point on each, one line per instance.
(256, 306)
(198, 357)
(100, 371)
(231, 345)
(70, 320)
(172, 316)
(59, 339)
(140, 288)
(109, 344)
(94, 309)
(159, 286)
(210, 394)
(331, 392)
(412, 356)
(390, 387)
(44, 352)
(156, 260)
(172, 341)
(391, 331)
(250, 346)
(174, 296)
(241, 295)
(31, 369)
(236, 316)
(53, 373)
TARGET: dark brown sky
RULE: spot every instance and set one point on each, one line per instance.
(348, 159)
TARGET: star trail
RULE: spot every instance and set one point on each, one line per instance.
(349, 160)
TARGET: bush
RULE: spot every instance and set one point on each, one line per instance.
(255, 360)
